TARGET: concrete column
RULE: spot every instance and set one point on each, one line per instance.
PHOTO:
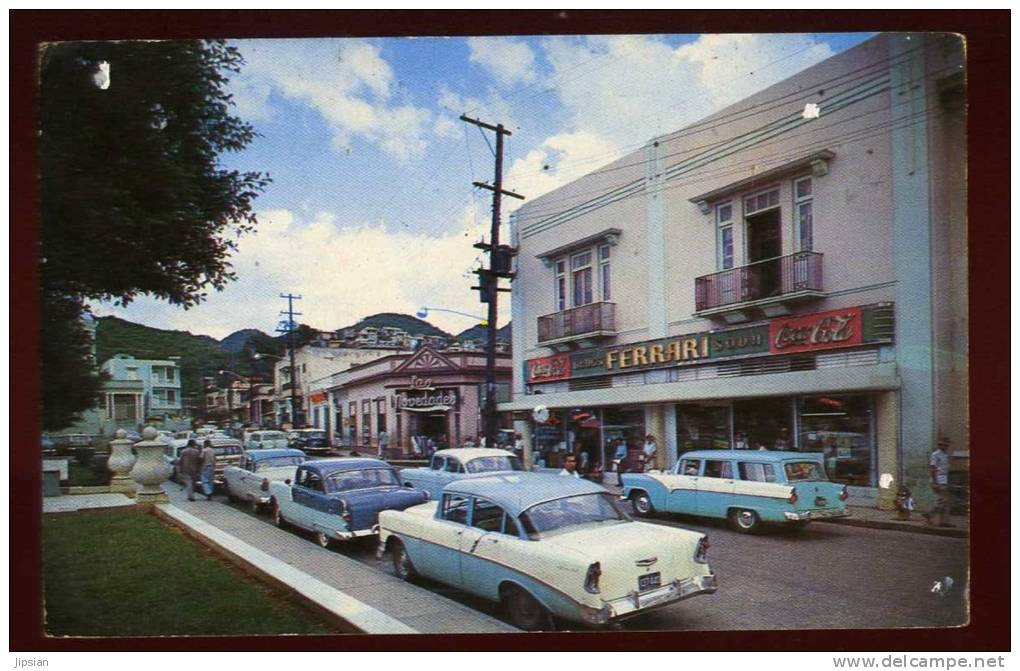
(150, 470)
(887, 449)
(523, 427)
(120, 463)
(667, 443)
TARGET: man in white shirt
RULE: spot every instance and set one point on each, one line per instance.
(649, 450)
(938, 468)
(570, 466)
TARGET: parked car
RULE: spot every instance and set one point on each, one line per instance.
(265, 440)
(228, 453)
(249, 480)
(458, 463)
(310, 440)
(745, 487)
(546, 546)
(340, 499)
(49, 446)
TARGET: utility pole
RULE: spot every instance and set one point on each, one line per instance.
(488, 279)
(287, 326)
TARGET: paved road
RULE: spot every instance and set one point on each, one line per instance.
(828, 576)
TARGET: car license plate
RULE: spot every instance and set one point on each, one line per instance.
(649, 581)
(820, 501)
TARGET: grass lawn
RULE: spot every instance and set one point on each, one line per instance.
(125, 573)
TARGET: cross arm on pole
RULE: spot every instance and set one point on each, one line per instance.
(489, 187)
(496, 129)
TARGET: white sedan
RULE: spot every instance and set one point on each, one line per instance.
(546, 546)
(249, 480)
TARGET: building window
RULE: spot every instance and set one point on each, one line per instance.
(380, 415)
(842, 429)
(132, 373)
(581, 278)
(724, 236)
(765, 200)
(803, 214)
(561, 286)
(366, 422)
(604, 277)
(171, 396)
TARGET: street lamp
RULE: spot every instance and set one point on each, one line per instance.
(423, 312)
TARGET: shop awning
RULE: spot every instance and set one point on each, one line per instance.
(433, 408)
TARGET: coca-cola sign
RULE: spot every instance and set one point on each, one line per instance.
(823, 330)
(549, 368)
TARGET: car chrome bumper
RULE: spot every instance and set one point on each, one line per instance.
(635, 603)
(815, 515)
(348, 535)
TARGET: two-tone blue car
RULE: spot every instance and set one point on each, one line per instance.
(546, 546)
(458, 463)
(340, 499)
(745, 487)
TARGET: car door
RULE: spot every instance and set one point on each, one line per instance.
(439, 556)
(715, 488)
(683, 487)
(249, 480)
(483, 546)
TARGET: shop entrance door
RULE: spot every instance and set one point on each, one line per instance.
(432, 425)
(763, 422)
(764, 247)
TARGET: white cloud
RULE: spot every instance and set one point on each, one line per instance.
(347, 81)
(558, 160)
(342, 273)
(508, 60)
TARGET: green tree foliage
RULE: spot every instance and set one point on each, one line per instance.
(133, 198)
(69, 380)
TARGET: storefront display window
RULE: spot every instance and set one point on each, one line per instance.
(764, 422)
(703, 427)
(550, 440)
(841, 428)
(626, 424)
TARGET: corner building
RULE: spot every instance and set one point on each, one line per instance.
(764, 277)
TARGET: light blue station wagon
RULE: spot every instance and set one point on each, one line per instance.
(745, 487)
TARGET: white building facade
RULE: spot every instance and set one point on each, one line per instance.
(764, 278)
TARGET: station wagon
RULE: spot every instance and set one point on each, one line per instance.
(745, 487)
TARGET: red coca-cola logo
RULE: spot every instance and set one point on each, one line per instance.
(825, 330)
(549, 368)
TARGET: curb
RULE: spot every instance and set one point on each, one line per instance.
(954, 532)
(353, 615)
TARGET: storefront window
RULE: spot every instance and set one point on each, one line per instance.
(764, 422)
(703, 427)
(550, 440)
(840, 427)
(621, 424)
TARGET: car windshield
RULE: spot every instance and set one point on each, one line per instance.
(803, 470)
(494, 463)
(561, 514)
(342, 481)
(223, 450)
(277, 462)
(273, 435)
(312, 434)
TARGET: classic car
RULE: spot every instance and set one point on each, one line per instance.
(249, 480)
(263, 440)
(457, 463)
(546, 546)
(745, 487)
(340, 499)
(310, 440)
(228, 453)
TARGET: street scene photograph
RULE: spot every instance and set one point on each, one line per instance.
(484, 335)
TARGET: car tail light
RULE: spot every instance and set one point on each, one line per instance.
(265, 484)
(844, 494)
(793, 496)
(701, 553)
(346, 514)
(591, 579)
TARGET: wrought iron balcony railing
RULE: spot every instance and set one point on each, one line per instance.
(591, 319)
(776, 277)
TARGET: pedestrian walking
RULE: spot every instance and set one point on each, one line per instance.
(384, 443)
(938, 469)
(650, 449)
(208, 469)
(189, 466)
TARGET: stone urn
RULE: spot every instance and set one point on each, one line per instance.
(120, 462)
(150, 470)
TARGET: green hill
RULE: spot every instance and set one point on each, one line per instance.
(412, 325)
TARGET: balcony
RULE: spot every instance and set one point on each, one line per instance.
(769, 285)
(570, 328)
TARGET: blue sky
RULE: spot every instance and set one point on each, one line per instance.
(372, 209)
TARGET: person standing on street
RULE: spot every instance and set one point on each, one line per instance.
(783, 441)
(208, 469)
(384, 443)
(570, 466)
(189, 465)
(649, 450)
(938, 468)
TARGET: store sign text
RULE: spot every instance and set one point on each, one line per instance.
(826, 330)
(679, 350)
(446, 397)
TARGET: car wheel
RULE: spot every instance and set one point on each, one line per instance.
(743, 520)
(525, 611)
(322, 539)
(402, 565)
(642, 504)
(278, 516)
